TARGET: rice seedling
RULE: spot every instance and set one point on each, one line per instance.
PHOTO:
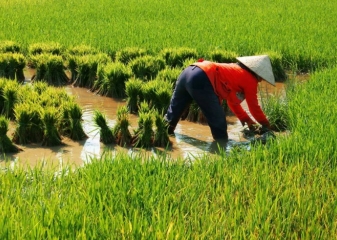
(12, 65)
(50, 117)
(174, 57)
(82, 50)
(86, 69)
(223, 56)
(127, 54)
(6, 145)
(111, 79)
(121, 129)
(53, 48)
(10, 47)
(10, 96)
(23, 123)
(133, 91)
(71, 122)
(49, 69)
(36, 132)
(169, 74)
(106, 133)
(146, 67)
(143, 136)
(2, 98)
(193, 112)
(161, 137)
(40, 87)
(162, 98)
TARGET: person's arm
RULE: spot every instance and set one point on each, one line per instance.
(240, 113)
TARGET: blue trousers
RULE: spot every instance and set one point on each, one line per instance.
(193, 84)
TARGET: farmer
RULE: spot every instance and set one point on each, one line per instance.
(209, 83)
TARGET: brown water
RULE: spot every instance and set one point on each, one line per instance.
(191, 139)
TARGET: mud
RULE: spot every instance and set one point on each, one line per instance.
(190, 141)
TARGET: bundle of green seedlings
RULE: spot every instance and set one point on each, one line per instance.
(9, 47)
(175, 57)
(133, 91)
(10, 97)
(111, 79)
(161, 137)
(143, 135)
(128, 54)
(50, 119)
(6, 145)
(2, 99)
(169, 74)
(106, 133)
(121, 129)
(49, 69)
(71, 58)
(71, 122)
(12, 65)
(146, 67)
(86, 69)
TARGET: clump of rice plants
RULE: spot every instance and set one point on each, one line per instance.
(71, 123)
(2, 99)
(121, 129)
(161, 137)
(223, 56)
(23, 122)
(169, 74)
(82, 50)
(50, 120)
(106, 133)
(111, 79)
(6, 145)
(50, 69)
(9, 47)
(175, 57)
(12, 65)
(46, 47)
(143, 136)
(10, 96)
(127, 54)
(146, 67)
(86, 67)
(193, 112)
(40, 87)
(133, 90)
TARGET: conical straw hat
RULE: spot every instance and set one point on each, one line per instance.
(260, 65)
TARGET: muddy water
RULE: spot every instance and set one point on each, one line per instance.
(190, 141)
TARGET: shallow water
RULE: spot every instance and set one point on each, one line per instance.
(190, 141)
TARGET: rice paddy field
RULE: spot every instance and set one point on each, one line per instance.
(285, 189)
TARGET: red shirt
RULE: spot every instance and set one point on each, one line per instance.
(234, 84)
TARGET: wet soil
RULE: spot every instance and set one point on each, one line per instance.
(190, 141)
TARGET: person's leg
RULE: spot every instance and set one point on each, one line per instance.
(180, 99)
(201, 90)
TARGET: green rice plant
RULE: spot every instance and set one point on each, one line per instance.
(223, 56)
(12, 65)
(121, 129)
(10, 95)
(277, 63)
(6, 145)
(2, 98)
(169, 74)
(36, 128)
(163, 96)
(54, 97)
(174, 57)
(50, 117)
(53, 48)
(111, 79)
(144, 107)
(106, 133)
(146, 67)
(82, 50)
(133, 91)
(193, 112)
(127, 54)
(40, 87)
(10, 47)
(49, 69)
(71, 122)
(23, 123)
(161, 137)
(87, 67)
(143, 136)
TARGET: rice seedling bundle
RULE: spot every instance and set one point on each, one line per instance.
(163, 97)
(53, 48)
(2, 98)
(175, 57)
(121, 129)
(82, 49)
(149, 91)
(144, 134)
(161, 137)
(6, 145)
(223, 56)
(193, 112)
(146, 67)
(40, 87)
(86, 69)
(169, 74)
(106, 133)
(12, 65)
(23, 123)
(144, 107)
(111, 79)
(71, 122)
(50, 69)
(10, 96)
(36, 126)
(9, 47)
(50, 117)
(129, 53)
(133, 90)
